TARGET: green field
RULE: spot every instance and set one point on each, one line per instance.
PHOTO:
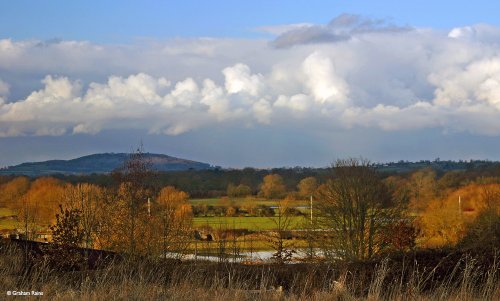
(250, 223)
(7, 223)
(243, 201)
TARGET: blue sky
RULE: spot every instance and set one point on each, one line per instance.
(118, 21)
(250, 83)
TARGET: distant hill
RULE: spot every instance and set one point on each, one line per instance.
(99, 163)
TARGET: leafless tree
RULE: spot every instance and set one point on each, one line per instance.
(279, 237)
(354, 206)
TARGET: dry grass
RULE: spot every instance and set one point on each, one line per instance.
(469, 279)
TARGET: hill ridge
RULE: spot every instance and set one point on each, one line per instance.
(99, 163)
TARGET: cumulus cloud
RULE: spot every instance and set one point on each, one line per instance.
(364, 73)
(322, 80)
(239, 79)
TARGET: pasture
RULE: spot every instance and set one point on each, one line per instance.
(245, 201)
(251, 223)
(5, 221)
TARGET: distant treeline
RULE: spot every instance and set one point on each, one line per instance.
(214, 182)
(437, 164)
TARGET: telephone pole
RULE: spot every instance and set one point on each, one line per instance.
(149, 207)
(311, 207)
(460, 205)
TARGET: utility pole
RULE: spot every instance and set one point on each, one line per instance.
(460, 205)
(149, 207)
(311, 207)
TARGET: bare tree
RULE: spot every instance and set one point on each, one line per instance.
(354, 207)
(279, 237)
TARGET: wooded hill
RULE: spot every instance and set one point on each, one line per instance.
(97, 164)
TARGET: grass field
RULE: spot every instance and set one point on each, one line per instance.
(250, 223)
(243, 201)
(6, 212)
(7, 223)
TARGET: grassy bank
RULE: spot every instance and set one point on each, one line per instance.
(429, 275)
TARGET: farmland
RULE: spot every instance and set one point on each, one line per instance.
(5, 221)
(223, 201)
(252, 223)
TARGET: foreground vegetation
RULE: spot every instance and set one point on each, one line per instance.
(422, 275)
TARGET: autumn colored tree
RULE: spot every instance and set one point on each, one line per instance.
(423, 188)
(37, 207)
(238, 191)
(231, 211)
(137, 179)
(174, 215)
(87, 199)
(399, 189)
(12, 191)
(399, 236)
(451, 180)
(307, 187)
(444, 221)
(272, 187)
(250, 206)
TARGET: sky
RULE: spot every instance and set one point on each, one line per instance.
(250, 83)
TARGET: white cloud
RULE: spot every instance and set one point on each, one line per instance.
(322, 81)
(239, 79)
(297, 102)
(262, 111)
(380, 76)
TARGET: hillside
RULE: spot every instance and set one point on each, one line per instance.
(99, 163)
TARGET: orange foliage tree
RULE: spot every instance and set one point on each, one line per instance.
(12, 191)
(272, 187)
(38, 206)
(173, 214)
(423, 189)
(307, 187)
(87, 200)
(444, 221)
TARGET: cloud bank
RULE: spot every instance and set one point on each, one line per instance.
(352, 72)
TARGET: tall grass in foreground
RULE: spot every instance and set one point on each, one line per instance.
(468, 279)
